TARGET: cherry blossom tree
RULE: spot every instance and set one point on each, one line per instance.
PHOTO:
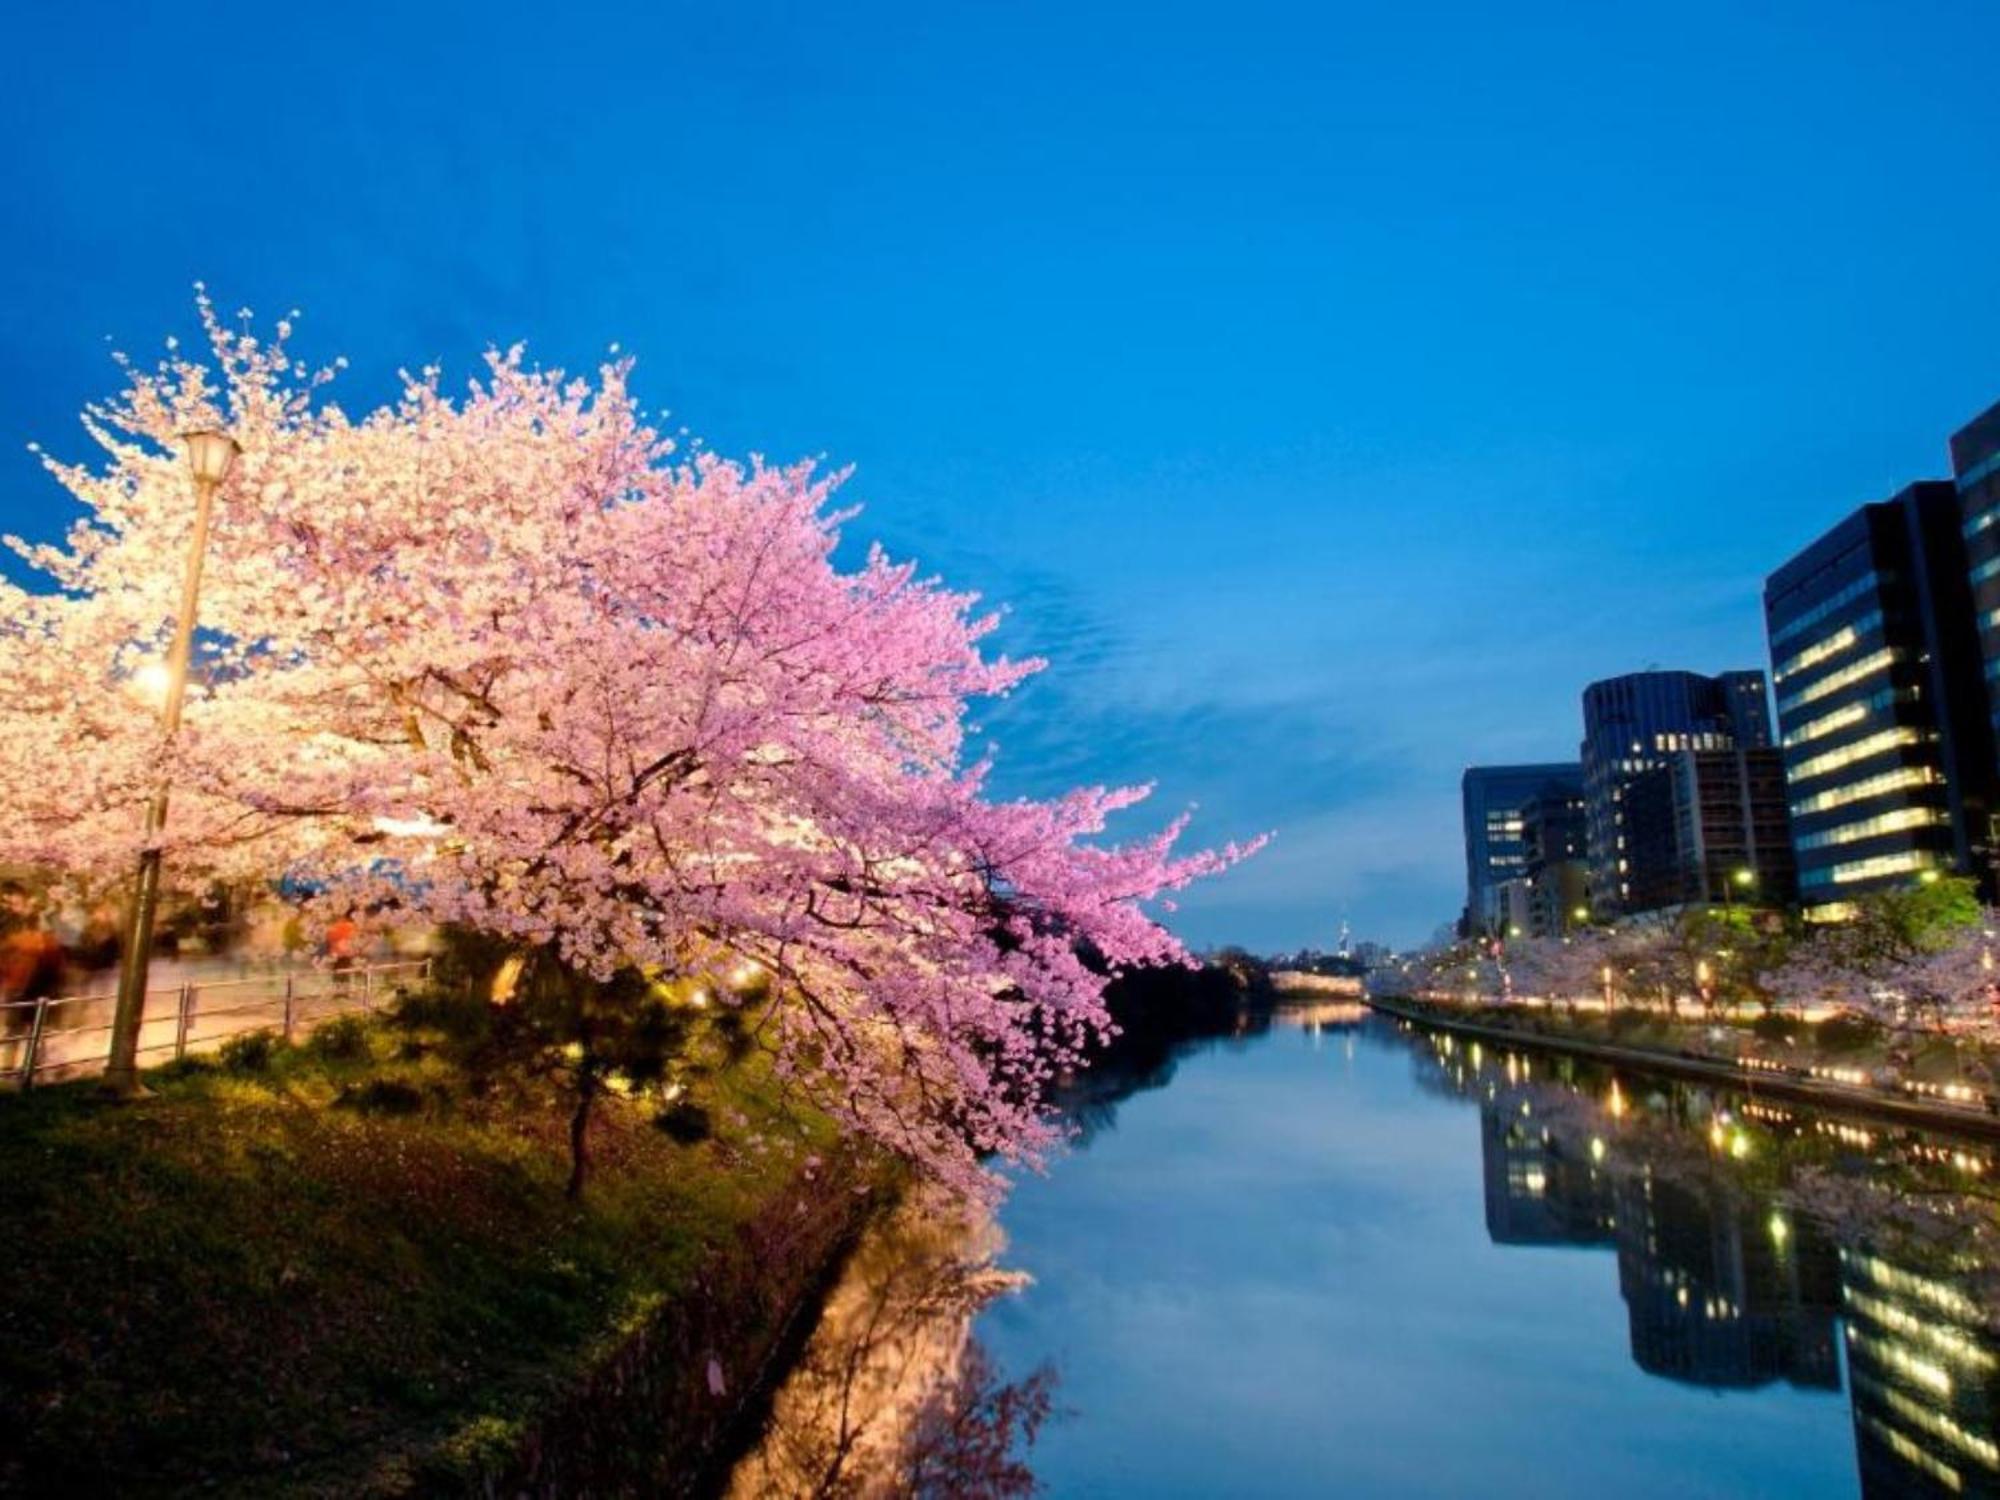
(1938, 977)
(1560, 970)
(510, 662)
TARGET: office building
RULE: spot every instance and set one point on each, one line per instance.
(1557, 867)
(1493, 798)
(1633, 724)
(1887, 733)
(1975, 467)
(1709, 827)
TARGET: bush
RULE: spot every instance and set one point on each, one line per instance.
(1772, 1027)
(339, 1039)
(687, 1123)
(248, 1052)
(463, 1019)
(382, 1096)
(191, 1066)
(1846, 1032)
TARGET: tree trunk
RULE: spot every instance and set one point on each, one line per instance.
(579, 1134)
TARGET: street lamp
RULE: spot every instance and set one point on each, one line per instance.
(211, 455)
(1741, 879)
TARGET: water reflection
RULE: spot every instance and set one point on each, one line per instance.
(1265, 1272)
(893, 1395)
(1754, 1240)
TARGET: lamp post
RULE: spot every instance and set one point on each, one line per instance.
(211, 454)
(1744, 879)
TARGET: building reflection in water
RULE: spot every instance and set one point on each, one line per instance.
(1726, 1283)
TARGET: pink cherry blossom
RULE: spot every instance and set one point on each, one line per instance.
(506, 661)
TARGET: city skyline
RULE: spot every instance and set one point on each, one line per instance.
(1365, 388)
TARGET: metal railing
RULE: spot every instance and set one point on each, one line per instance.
(69, 1036)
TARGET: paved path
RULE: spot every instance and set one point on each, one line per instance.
(222, 998)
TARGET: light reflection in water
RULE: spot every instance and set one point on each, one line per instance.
(1262, 1275)
(893, 1395)
(1752, 1251)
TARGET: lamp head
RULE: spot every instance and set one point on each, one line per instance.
(211, 454)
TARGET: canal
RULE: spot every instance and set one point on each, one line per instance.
(1354, 1258)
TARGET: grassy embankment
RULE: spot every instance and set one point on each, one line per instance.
(345, 1268)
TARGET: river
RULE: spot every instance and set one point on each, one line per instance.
(1364, 1260)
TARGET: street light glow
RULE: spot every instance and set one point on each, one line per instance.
(149, 683)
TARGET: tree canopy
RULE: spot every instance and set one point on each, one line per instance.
(511, 662)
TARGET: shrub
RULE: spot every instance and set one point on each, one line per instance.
(464, 1019)
(687, 1123)
(191, 1066)
(1774, 1028)
(1846, 1032)
(248, 1052)
(339, 1038)
(382, 1096)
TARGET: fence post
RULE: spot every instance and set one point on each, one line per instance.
(288, 1007)
(368, 986)
(184, 1019)
(34, 1042)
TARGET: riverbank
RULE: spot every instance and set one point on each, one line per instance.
(1803, 1081)
(338, 1269)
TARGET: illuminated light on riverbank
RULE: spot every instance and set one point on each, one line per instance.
(1597, 1148)
(1957, 1093)
(1780, 1230)
(1616, 1101)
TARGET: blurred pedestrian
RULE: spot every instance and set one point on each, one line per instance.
(341, 948)
(32, 959)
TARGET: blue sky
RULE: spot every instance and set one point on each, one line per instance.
(1331, 390)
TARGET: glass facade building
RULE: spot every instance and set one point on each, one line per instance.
(1887, 733)
(1975, 467)
(1496, 855)
(1553, 842)
(1710, 827)
(1638, 723)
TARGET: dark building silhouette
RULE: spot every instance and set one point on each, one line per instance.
(1709, 826)
(1495, 855)
(1975, 467)
(1538, 1191)
(1636, 723)
(1887, 732)
(1554, 846)
(1716, 1298)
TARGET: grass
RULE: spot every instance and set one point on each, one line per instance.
(301, 1270)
